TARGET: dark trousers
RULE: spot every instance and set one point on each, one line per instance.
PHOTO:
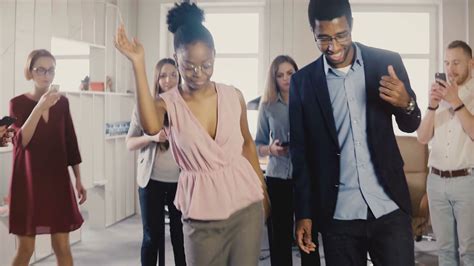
(280, 225)
(152, 204)
(388, 240)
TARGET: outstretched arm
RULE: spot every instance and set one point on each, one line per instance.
(151, 112)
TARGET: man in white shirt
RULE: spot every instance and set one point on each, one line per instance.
(449, 125)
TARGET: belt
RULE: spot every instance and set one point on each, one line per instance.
(453, 173)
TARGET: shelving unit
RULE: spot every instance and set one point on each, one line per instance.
(108, 167)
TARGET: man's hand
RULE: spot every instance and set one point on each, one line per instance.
(449, 92)
(393, 90)
(436, 95)
(303, 235)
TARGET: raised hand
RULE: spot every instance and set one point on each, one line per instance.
(449, 92)
(48, 99)
(436, 95)
(393, 90)
(133, 49)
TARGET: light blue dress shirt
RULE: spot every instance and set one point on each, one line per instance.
(359, 186)
(274, 123)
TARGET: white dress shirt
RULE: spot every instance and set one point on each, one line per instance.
(451, 147)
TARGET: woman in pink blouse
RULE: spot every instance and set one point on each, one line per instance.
(220, 188)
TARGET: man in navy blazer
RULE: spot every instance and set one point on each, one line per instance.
(348, 171)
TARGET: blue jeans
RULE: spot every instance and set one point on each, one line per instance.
(152, 204)
(451, 203)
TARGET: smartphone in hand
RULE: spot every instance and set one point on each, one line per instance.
(284, 144)
(441, 76)
(7, 121)
(54, 88)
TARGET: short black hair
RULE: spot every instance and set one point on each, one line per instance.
(185, 22)
(463, 45)
(328, 10)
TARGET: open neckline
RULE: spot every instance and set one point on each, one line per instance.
(36, 102)
(194, 118)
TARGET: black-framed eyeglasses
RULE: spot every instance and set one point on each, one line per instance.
(340, 38)
(43, 71)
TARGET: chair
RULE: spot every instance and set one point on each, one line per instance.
(415, 156)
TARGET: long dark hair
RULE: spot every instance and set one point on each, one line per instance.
(185, 22)
(163, 146)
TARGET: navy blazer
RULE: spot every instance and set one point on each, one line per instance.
(314, 146)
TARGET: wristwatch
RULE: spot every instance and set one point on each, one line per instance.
(411, 106)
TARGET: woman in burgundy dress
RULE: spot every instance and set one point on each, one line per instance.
(45, 144)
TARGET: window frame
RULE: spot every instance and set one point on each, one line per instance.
(433, 56)
(257, 7)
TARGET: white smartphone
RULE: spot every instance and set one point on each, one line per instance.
(54, 87)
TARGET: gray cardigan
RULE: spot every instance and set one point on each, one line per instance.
(146, 155)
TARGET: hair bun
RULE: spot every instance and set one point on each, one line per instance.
(184, 14)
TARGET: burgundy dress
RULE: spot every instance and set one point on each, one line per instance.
(42, 199)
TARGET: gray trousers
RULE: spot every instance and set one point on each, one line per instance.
(233, 242)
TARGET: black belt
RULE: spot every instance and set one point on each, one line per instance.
(453, 173)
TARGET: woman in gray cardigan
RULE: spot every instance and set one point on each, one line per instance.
(157, 177)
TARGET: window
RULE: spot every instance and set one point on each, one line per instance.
(239, 50)
(408, 30)
(236, 36)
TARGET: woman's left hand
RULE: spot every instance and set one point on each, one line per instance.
(81, 192)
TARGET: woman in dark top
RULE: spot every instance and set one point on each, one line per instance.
(45, 144)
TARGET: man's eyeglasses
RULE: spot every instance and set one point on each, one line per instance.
(190, 68)
(43, 71)
(340, 38)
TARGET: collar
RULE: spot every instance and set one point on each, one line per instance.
(358, 60)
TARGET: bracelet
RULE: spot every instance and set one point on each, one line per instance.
(433, 108)
(458, 108)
